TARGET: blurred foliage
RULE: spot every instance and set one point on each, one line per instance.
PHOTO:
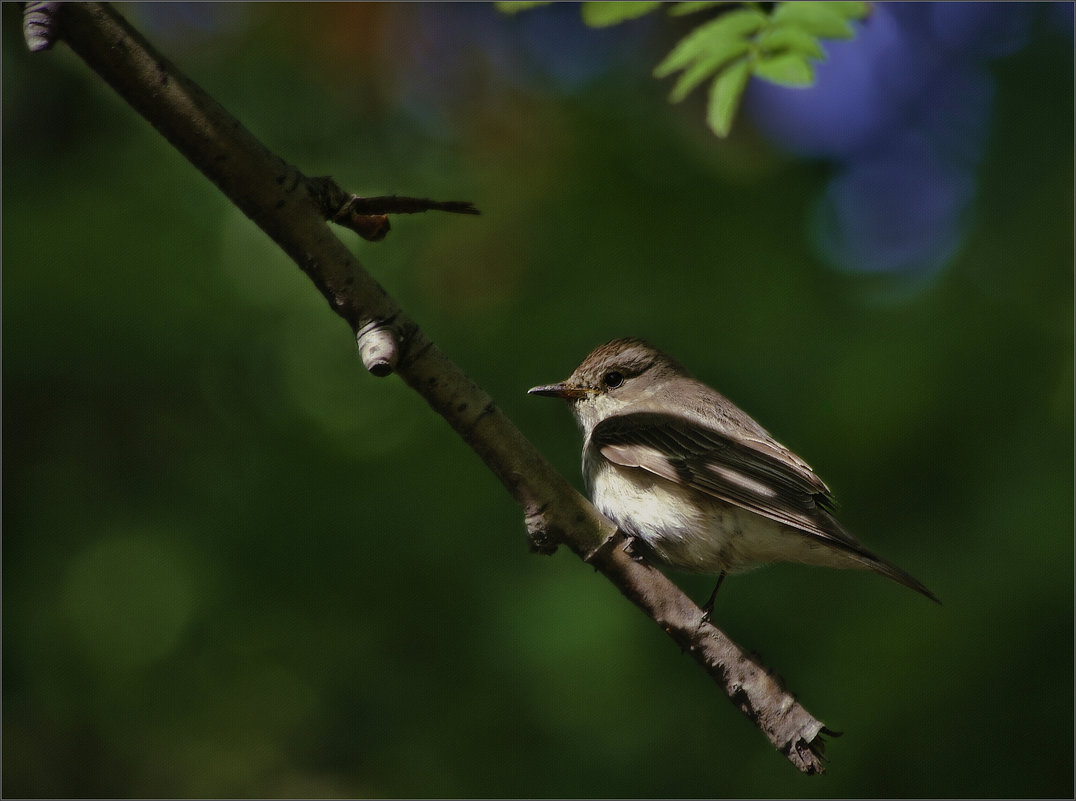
(773, 41)
(235, 564)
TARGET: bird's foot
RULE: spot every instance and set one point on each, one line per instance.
(630, 549)
(708, 607)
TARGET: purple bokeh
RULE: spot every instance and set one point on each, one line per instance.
(903, 113)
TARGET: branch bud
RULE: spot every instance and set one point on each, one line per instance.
(377, 347)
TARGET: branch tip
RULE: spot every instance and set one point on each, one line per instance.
(39, 25)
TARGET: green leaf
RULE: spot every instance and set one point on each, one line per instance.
(725, 93)
(515, 7)
(786, 69)
(682, 9)
(724, 33)
(793, 40)
(707, 66)
(815, 18)
(603, 14)
(848, 10)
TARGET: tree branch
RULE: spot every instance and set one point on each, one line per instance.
(292, 210)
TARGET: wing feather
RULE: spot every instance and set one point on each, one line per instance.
(759, 475)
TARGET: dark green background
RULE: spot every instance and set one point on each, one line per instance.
(236, 564)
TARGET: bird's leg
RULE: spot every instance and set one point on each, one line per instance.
(708, 607)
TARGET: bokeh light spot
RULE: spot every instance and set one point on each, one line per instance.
(130, 598)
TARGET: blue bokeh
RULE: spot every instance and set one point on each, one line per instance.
(902, 111)
(571, 55)
(452, 50)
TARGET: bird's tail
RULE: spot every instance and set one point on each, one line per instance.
(890, 570)
(842, 540)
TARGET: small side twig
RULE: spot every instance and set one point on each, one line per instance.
(368, 216)
(397, 204)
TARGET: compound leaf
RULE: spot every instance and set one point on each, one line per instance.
(815, 18)
(724, 33)
(603, 14)
(508, 7)
(682, 9)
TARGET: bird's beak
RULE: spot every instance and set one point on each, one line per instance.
(561, 390)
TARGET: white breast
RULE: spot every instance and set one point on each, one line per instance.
(692, 531)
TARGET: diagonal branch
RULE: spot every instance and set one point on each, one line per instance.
(290, 208)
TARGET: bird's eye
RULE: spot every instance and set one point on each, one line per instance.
(613, 379)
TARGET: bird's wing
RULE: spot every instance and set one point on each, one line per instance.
(757, 474)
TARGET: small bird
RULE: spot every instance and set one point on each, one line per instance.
(680, 468)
